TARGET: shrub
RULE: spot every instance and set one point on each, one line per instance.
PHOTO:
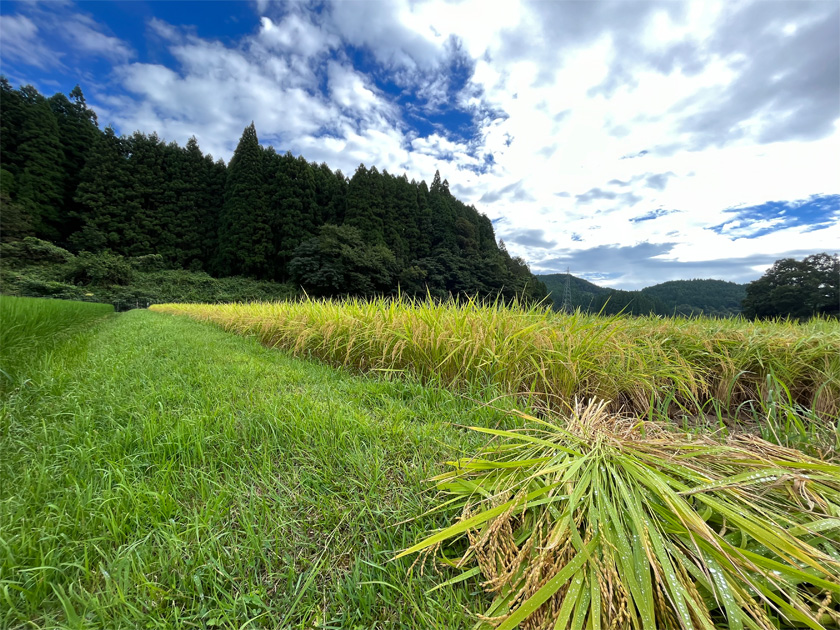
(149, 262)
(100, 269)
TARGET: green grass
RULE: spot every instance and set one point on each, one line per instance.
(157, 473)
(30, 327)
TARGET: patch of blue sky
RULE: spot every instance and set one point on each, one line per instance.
(653, 214)
(223, 21)
(814, 213)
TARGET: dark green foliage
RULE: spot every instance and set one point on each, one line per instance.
(628, 303)
(149, 262)
(17, 222)
(340, 262)
(32, 251)
(106, 198)
(100, 269)
(63, 179)
(150, 185)
(77, 131)
(11, 125)
(583, 292)
(796, 288)
(442, 214)
(293, 208)
(40, 179)
(366, 204)
(150, 282)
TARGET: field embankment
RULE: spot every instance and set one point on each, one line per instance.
(725, 369)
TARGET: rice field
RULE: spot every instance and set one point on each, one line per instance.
(784, 376)
(472, 466)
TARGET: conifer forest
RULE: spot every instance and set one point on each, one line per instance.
(266, 214)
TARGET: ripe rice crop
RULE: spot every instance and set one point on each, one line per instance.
(591, 520)
(646, 365)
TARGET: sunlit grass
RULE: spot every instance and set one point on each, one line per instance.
(159, 473)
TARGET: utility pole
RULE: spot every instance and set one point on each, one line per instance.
(567, 294)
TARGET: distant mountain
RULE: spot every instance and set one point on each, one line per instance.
(716, 298)
(709, 297)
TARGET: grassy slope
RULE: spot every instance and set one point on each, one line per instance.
(162, 473)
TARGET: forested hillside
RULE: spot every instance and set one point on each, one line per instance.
(265, 215)
(696, 297)
(714, 298)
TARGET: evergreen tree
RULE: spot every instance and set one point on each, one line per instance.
(330, 194)
(77, 130)
(106, 198)
(11, 125)
(294, 211)
(150, 230)
(191, 210)
(365, 204)
(245, 239)
(442, 215)
(423, 246)
(40, 184)
(214, 176)
(397, 215)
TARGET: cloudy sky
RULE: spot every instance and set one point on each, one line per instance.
(633, 142)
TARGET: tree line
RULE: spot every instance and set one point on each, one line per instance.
(264, 215)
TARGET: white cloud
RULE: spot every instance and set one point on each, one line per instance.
(84, 35)
(19, 41)
(55, 35)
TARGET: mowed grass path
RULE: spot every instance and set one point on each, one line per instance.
(158, 472)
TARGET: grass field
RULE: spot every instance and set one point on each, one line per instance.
(158, 472)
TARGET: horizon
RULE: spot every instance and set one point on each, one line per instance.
(635, 142)
(602, 286)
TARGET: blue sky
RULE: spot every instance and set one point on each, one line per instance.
(634, 142)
